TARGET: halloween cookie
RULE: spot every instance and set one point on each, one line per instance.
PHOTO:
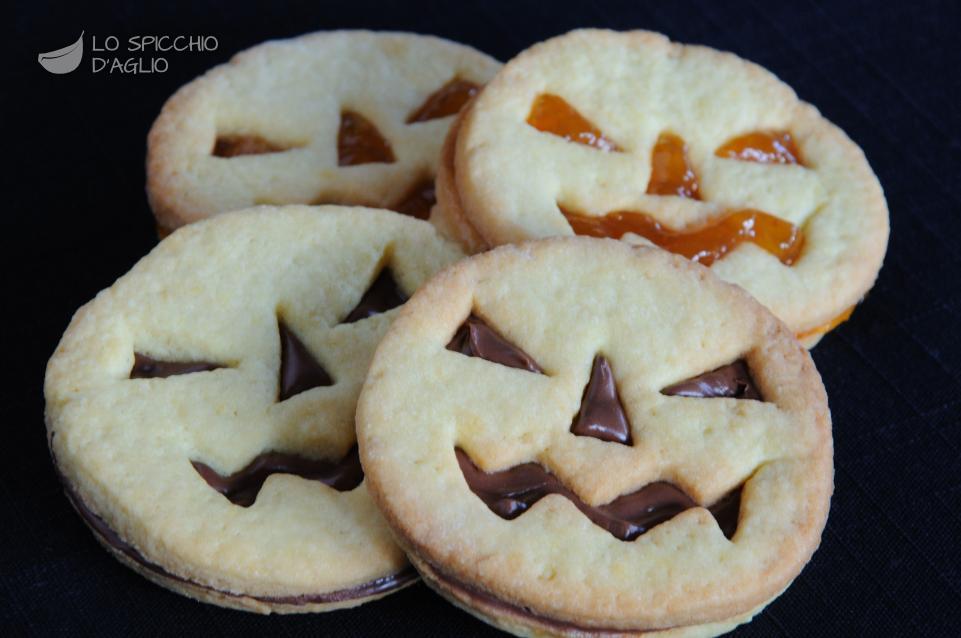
(341, 117)
(578, 437)
(629, 135)
(201, 410)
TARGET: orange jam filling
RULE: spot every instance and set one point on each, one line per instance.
(827, 327)
(359, 141)
(418, 201)
(765, 147)
(447, 100)
(671, 173)
(552, 114)
(234, 145)
(705, 244)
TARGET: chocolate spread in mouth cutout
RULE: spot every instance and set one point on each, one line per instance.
(511, 492)
(242, 487)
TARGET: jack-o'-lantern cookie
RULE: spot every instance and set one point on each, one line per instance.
(201, 410)
(341, 117)
(631, 136)
(576, 437)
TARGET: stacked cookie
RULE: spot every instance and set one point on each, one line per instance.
(631, 136)
(346, 117)
(278, 407)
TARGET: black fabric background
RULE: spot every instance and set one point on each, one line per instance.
(76, 218)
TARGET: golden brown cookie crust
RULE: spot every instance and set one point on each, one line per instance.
(217, 292)
(659, 319)
(635, 85)
(291, 93)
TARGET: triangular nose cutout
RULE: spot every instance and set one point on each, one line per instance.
(299, 370)
(602, 415)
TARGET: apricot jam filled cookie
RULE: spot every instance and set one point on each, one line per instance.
(631, 136)
(201, 410)
(577, 437)
(342, 117)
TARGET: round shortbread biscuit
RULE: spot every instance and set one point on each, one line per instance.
(267, 127)
(514, 180)
(574, 436)
(201, 410)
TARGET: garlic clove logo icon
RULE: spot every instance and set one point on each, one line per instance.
(63, 60)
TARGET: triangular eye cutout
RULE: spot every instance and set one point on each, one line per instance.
(552, 114)
(764, 147)
(359, 142)
(234, 145)
(145, 367)
(671, 172)
(382, 295)
(299, 370)
(731, 381)
(602, 415)
(447, 100)
(418, 201)
(476, 339)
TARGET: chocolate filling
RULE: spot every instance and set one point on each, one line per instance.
(733, 380)
(511, 492)
(487, 599)
(299, 370)
(145, 367)
(243, 486)
(601, 415)
(476, 339)
(382, 295)
(111, 538)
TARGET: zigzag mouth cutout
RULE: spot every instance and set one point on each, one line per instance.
(511, 492)
(242, 487)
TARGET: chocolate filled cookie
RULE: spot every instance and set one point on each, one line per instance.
(631, 136)
(200, 411)
(578, 437)
(340, 117)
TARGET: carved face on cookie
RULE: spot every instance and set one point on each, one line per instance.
(201, 410)
(628, 135)
(343, 117)
(596, 437)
